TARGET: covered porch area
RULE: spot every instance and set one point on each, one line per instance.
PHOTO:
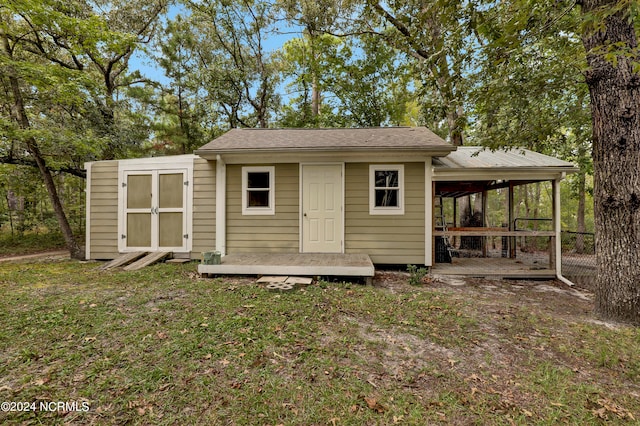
(497, 214)
(496, 267)
(299, 264)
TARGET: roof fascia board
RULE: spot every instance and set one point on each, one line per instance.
(522, 173)
(169, 159)
(324, 156)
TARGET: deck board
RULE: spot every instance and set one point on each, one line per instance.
(122, 260)
(149, 259)
(299, 264)
(495, 267)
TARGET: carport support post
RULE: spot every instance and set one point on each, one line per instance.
(485, 240)
(512, 240)
(455, 212)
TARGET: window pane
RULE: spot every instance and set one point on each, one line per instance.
(139, 230)
(139, 192)
(258, 180)
(170, 229)
(171, 190)
(386, 179)
(257, 198)
(387, 198)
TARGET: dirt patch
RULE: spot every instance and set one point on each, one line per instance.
(517, 322)
(55, 254)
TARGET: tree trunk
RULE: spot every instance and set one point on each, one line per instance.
(315, 87)
(614, 88)
(20, 115)
(454, 115)
(315, 99)
(470, 216)
(10, 212)
(183, 131)
(582, 193)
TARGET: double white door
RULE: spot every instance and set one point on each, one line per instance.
(154, 212)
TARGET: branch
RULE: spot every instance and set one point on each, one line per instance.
(402, 29)
(31, 163)
(353, 33)
(39, 49)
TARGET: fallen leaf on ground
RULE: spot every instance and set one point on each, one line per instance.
(41, 382)
(373, 404)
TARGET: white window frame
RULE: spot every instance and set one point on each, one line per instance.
(271, 209)
(373, 210)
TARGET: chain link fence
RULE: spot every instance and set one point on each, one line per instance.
(579, 258)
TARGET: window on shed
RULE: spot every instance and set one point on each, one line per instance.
(258, 191)
(386, 187)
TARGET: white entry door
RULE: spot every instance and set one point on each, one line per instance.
(322, 212)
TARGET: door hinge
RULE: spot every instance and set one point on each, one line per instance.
(186, 183)
(123, 236)
(124, 184)
(185, 236)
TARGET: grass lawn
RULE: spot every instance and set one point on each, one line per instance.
(14, 245)
(164, 346)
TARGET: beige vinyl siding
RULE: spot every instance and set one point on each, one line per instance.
(204, 207)
(277, 233)
(104, 210)
(392, 239)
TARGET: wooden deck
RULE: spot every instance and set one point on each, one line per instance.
(495, 267)
(300, 264)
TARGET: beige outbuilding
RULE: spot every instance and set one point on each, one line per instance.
(267, 199)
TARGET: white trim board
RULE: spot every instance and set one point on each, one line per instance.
(428, 213)
(87, 189)
(221, 206)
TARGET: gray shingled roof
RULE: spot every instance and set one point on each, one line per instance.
(474, 157)
(303, 140)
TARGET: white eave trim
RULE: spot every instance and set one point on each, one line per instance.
(511, 173)
(152, 163)
(335, 156)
